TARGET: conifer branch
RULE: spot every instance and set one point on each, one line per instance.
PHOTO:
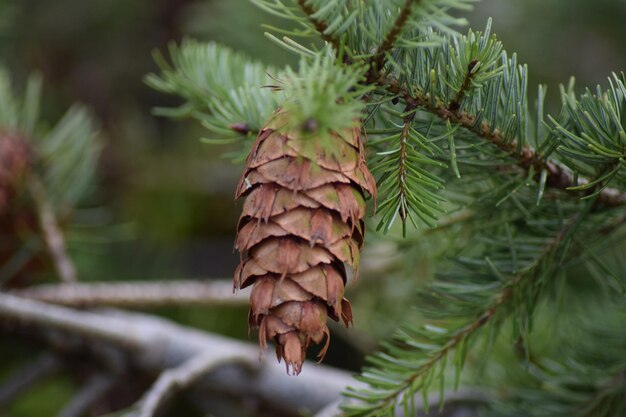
(404, 137)
(223, 89)
(585, 379)
(455, 104)
(468, 91)
(460, 337)
(320, 25)
(377, 61)
(378, 403)
(615, 388)
(526, 157)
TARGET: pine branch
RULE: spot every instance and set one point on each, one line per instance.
(583, 378)
(377, 61)
(526, 157)
(359, 27)
(592, 132)
(410, 366)
(402, 169)
(320, 25)
(460, 403)
(226, 91)
(455, 104)
(616, 387)
(67, 156)
(323, 95)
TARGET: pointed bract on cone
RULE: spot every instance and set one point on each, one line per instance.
(302, 220)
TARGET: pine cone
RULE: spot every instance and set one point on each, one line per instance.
(14, 161)
(302, 220)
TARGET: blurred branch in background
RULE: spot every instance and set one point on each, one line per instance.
(140, 294)
(89, 393)
(51, 232)
(155, 345)
(180, 378)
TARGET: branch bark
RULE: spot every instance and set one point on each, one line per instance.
(320, 25)
(177, 379)
(155, 344)
(377, 61)
(51, 232)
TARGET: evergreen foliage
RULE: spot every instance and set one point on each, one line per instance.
(61, 163)
(453, 136)
(227, 96)
(65, 154)
(586, 378)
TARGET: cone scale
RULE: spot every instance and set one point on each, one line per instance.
(302, 222)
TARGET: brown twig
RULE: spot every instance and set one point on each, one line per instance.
(51, 232)
(137, 294)
(377, 61)
(455, 104)
(320, 26)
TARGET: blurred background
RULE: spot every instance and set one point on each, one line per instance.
(164, 207)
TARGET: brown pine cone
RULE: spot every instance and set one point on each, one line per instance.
(302, 220)
(14, 161)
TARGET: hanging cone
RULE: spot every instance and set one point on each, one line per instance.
(302, 221)
(16, 219)
(14, 162)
